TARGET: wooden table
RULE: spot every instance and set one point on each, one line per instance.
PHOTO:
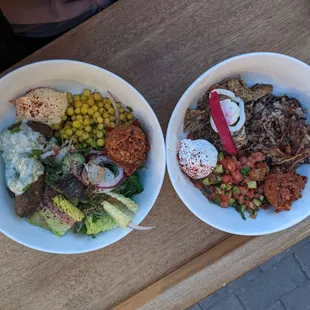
(160, 47)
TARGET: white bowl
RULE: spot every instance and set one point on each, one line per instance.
(73, 76)
(288, 76)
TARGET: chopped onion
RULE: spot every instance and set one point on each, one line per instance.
(137, 227)
(234, 98)
(115, 108)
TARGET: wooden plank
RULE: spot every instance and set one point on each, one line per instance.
(176, 277)
(160, 47)
(224, 270)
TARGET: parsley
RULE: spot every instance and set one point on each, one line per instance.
(131, 186)
(35, 153)
(15, 130)
(245, 171)
(238, 208)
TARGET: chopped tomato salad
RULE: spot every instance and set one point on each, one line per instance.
(237, 182)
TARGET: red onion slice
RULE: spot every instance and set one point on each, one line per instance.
(137, 227)
(115, 108)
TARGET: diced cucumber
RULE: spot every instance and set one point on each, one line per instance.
(231, 201)
(219, 179)
(208, 190)
(243, 207)
(206, 181)
(261, 198)
(252, 184)
(257, 202)
(219, 190)
(228, 187)
(224, 186)
(221, 156)
(219, 169)
(236, 189)
(217, 200)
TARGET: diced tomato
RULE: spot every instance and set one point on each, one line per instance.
(265, 207)
(224, 204)
(241, 199)
(212, 177)
(247, 203)
(251, 193)
(224, 197)
(243, 160)
(238, 165)
(190, 136)
(258, 174)
(227, 179)
(235, 195)
(243, 190)
(262, 165)
(230, 164)
(237, 176)
(250, 164)
(199, 186)
(258, 156)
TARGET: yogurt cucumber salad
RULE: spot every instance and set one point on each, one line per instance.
(72, 161)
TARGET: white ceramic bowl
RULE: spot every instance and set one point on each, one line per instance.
(73, 76)
(288, 76)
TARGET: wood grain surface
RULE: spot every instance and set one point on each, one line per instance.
(160, 47)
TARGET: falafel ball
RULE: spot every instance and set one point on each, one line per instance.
(126, 145)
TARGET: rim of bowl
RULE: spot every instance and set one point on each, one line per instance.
(168, 135)
(162, 146)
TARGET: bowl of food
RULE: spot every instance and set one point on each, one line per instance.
(82, 157)
(238, 144)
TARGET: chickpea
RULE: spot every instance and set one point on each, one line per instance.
(86, 92)
(129, 116)
(111, 111)
(69, 98)
(84, 111)
(83, 97)
(69, 132)
(73, 117)
(76, 98)
(99, 134)
(90, 111)
(76, 124)
(97, 96)
(100, 142)
(106, 115)
(79, 117)
(100, 126)
(96, 114)
(99, 120)
(79, 132)
(86, 121)
(70, 111)
(77, 111)
(90, 102)
(64, 118)
(78, 104)
(87, 128)
(100, 104)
